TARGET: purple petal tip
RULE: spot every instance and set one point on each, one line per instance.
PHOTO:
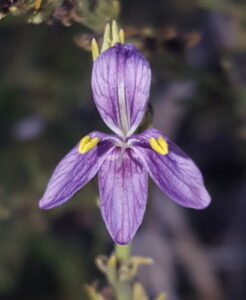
(43, 205)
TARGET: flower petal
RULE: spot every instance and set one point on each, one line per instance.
(74, 171)
(123, 187)
(175, 173)
(120, 83)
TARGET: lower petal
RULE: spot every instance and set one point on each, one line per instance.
(123, 187)
(174, 173)
(74, 171)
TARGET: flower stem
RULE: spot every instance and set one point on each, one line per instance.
(122, 252)
(123, 287)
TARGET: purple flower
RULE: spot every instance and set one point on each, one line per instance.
(120, 82)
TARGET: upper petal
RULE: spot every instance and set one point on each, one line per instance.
(123, 187)
(120, 82)
(175, 173)
(74, 171)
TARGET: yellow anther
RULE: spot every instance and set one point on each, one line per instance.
(159, 145)
(163, 143)
(122, 36)
(112, 35)
(87, 143)
(115, 33)
(84, 141)
(106, 38)
(94, 49)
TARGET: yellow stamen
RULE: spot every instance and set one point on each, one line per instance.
(115, 33)
(84, 141)
(112, 35)
(106, 38)
(87, 143)
(94, 49)
(122, 36)
(159, 145)
(163, 143)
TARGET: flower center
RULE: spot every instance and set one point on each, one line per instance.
(123, 148)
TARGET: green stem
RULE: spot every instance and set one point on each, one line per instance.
(123, 287)
(122, 252)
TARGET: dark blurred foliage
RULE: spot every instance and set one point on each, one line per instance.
(197, 53)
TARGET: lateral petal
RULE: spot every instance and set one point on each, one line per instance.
(120, 83)
(74, 171)
(123, 187)
(174, 173)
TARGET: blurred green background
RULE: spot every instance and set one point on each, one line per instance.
(197, 53)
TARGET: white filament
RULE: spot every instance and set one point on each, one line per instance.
(122, 107)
